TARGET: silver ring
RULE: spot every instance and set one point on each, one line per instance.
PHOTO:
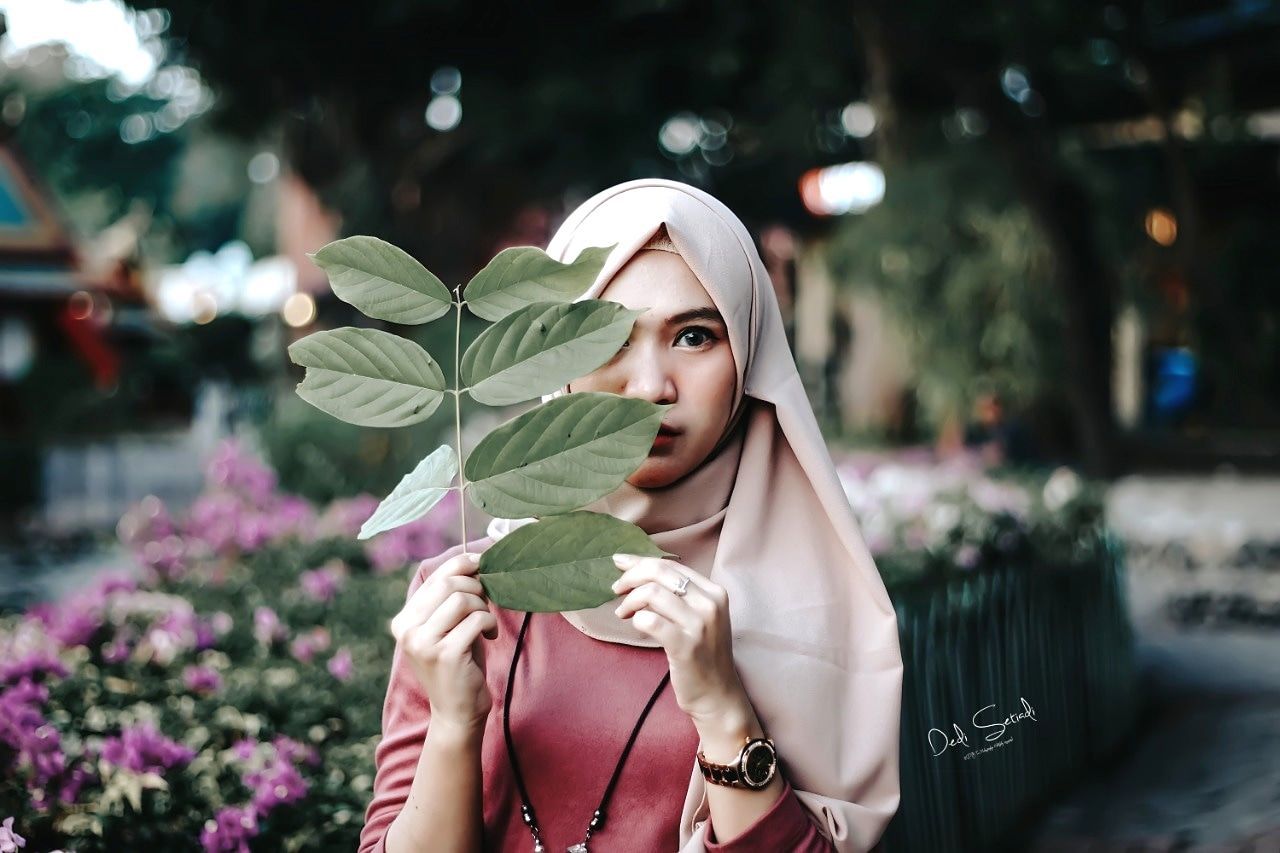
(682, 587)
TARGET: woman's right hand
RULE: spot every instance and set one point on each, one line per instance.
(439, 631)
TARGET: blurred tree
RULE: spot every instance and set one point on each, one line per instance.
(556, 100)
(951, 252)
(1037, 82)
(71, 133)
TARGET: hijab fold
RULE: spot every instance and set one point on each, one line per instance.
(815, 636)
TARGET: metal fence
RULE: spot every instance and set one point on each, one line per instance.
(1058, 637)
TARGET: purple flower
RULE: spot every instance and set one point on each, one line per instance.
(340, 665)
(242, 511)
(205, 636)
(324, 583)
(305, 645)
(278, 783)
(37, 745)
(117, 651)
(214, 519)
(230, 830)
(144, 522)
(267, 627)
(271, 770)
(43, 752)
(293, 515)
(164, 559)
(72, 622)
(202, 679)
(142, 748)
(113, 582)
(295, 751)
(172, 628)
(343, 518)
(10, 841)
(254, 531)
(31, 665)
(236, 469)
(74, 780)
(243, 749)
(172, 634)
(20, 714)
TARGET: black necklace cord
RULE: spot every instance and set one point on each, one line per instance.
(526, 808)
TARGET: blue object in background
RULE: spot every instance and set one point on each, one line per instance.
(1173, 386)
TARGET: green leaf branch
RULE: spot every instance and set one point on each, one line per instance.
(547, 462)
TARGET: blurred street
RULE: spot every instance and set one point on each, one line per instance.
(1205, 773)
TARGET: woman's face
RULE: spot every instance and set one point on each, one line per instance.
(672, 356)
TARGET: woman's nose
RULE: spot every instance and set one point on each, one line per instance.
(648, 378)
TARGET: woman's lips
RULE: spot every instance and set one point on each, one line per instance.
(664, 439)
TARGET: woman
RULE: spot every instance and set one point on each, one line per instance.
(770, 637)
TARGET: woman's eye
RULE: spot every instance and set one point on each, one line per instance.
(705, 335)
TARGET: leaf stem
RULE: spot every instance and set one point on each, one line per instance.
(457, 420)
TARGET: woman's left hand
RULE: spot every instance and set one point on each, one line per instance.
(694, 630)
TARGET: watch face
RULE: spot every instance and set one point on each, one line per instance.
(758, 763)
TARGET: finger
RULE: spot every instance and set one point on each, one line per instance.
(665, 603)
(459, 564)
(467, 632)
(451, 611)
(428, 597)
(665, 572)
(659, 627)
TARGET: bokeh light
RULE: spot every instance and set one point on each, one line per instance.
(858, 119)
(846, 188)
(1162, 226)
(444, 112)
(299, 310)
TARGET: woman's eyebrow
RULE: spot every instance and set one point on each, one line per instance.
(709, 314)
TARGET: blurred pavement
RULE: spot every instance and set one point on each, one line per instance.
(1203, 774)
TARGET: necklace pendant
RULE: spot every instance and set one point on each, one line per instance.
(580, 847)
(537, 846)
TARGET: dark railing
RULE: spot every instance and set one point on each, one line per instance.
(1058, 637)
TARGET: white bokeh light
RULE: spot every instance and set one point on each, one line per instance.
(681, 133)
(858, 119)
(444, 112)
(103, 32)
(264, 167)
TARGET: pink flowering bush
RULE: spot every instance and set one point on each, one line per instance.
(227, 695)
(923, 517)
(224, 696)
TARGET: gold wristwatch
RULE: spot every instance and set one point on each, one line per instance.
(753, 767)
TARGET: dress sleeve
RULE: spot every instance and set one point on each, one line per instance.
(405, 714)
(785, 826)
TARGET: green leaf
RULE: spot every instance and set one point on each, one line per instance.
(383, 280)
(368, 377)
(563, 562)
(561, 455)
(521, 275)
(537, 349)
(415, 495)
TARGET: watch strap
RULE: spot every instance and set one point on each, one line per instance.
(731, 775)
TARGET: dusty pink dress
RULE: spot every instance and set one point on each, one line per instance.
(575, 702)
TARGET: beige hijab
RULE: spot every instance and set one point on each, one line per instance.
(815, 636)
